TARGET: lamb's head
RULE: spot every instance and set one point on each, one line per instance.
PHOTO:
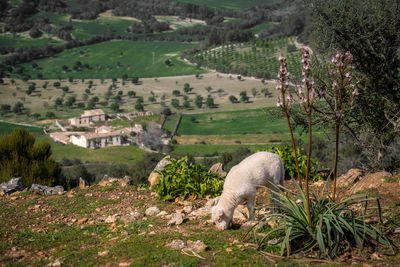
(219, 218)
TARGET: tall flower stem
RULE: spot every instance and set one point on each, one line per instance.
(285, 102)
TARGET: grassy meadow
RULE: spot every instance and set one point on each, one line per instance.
(229, 4)
(24, 41)
(113, 59)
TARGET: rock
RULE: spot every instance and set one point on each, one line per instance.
(373, 180)
(131, 217)
(196, 246)
(152, 211)
(154, 177)
(47, 190)
(350, 178)
(176, 244)
(201, 212)
(176, 219)
(103, 253)
(162, 214)
(188, 209)
(14, 185)
(375, 256)
(83, 183)
(111, 219)
(218, 169)
(124, 182)
(397, 231)
(82, 220)
(57, 263)
(124, 264)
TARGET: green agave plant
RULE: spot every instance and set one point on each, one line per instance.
(333, 226)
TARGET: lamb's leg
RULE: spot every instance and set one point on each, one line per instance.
(250, 207)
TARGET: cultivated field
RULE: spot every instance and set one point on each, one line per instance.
(221, 85)
(259, 58)
(229, 4)
(113, 59)
(176, 23)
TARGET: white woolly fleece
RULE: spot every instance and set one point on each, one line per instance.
(241, 183)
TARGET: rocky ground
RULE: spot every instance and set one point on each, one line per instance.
(115, 224)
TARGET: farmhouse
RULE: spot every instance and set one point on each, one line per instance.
(88, 118)
(97, 140)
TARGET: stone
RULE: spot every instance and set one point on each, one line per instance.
(397, 230)
(201, 212)
(350, 178)
(154, 177)
(111, 219)
(152, 211)
(124, 264)
(57, 263)
(103, 253)
(47, 190)
(82, 220)
(14, 185)
(187, 209)
(218, 169)
(131, 217)
(196, 246)
(162, 213)
(83, 183)
(176, 219)
(370, 181)
(176, 244)
(124, 182)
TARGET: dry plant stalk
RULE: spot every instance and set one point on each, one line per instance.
(285, 102)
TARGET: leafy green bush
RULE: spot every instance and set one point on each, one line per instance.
(287, 155)
(334, 226)
(182, 179)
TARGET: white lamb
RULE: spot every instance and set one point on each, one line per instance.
(259, 169)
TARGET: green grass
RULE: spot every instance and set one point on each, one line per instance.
(209, 150)
(249, 121)
(89, 28)
(261, 27)
(116, 58)
(17, 41)
(229, 4)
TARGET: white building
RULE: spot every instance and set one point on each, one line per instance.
(88, 118)
(97, 140)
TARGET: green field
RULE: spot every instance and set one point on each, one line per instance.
(210, 150)
(115, 58)
(123, 154)
(251, 121)
(18, 41)
(261, 27)
(229, 4)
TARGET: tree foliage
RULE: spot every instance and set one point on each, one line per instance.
(21, 156)
(370, 30)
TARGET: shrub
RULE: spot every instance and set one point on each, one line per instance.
(288, 158)
(182, 179)
(333, 226)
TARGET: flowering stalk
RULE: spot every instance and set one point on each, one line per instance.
(285, 102)
(343, 95)
(307, 95)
